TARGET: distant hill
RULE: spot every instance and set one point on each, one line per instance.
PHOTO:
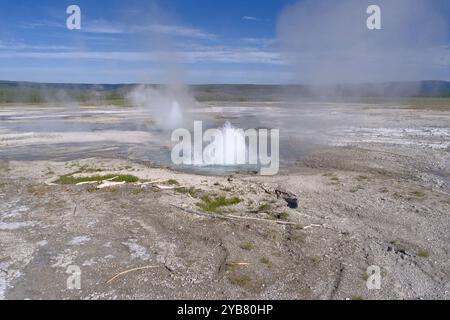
(11, 91)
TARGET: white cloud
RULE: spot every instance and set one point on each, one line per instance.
(106, 27)
(41, 24)
(101, 26)
(250, 18)
(174, 30)
(264, 42)
(217, 55)
(24, 46)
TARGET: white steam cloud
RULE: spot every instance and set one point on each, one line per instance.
(328, 41)
(166, 105)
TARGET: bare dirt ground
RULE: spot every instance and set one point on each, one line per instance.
(377, 203)
(355, 218)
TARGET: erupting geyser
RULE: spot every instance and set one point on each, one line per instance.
(175, 119)
(228, 149)
(165, 105)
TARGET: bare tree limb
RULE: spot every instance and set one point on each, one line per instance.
(128, 271)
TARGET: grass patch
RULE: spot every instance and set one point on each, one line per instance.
(265, 261)
(215, 204)
(241, 280)
(365, 276)
(70, 179)
(191, 191)
(424, 254)
(247, 246)
(362, 178)
(283, 215)
(91, 189)
(172, 182)
(355, 189)
(418, 194)
(357, 298)
(264, 207)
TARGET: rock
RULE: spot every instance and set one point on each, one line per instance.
(289, 197)
(292, 202)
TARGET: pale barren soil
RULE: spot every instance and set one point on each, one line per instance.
(369, 198)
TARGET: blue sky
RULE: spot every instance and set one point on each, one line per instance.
(198, 41)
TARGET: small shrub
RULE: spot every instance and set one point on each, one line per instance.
(247, 246)
(283, 215)
(191, 191)
(424, 254)
(241, 280)
(214, 204)
(70, 179)
(263, 207)
(418, 194)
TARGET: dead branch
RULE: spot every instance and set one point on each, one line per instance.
(168, 187)
(151, 182)
(264, 220)
(313, 226)
(238, 264)
(233, 217)
(128, 271)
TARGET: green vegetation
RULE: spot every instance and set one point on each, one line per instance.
(365, 276)
(355, 189)
(264, 207)
(283, 215)
(429, 103)
(432, 94)
(191, 191)
(214, 204)
(423, 253)
(418, 194)
(35, 93)
(172, 182)
(241, 280)
(247, 246)
(357, 297)
(70, 179)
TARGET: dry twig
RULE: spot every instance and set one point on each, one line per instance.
(128, 271)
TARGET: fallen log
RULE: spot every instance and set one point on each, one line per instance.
(233, 217)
